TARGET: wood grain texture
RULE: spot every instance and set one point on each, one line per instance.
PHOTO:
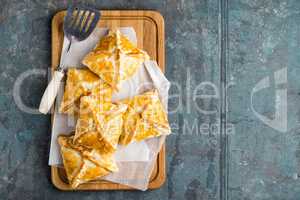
(149, 27)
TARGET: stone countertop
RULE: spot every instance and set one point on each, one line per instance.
(255, 159)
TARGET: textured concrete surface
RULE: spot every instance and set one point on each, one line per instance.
(263, 41)
(263, 38)
(192, 50)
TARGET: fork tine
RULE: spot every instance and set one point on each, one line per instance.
(81, 19)
(74, 19)
(78, 19)
(87, 22)
(93, 23)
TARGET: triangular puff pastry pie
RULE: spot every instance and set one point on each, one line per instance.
(82, 82)
(99, 124)
(144, 118)
(115, 58)
(82, 164)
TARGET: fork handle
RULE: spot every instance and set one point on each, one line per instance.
(51, 92)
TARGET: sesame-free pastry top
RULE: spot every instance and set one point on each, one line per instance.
(82, 82)
(145, 118)
(83, 164)
(99, 124)
(115, 58)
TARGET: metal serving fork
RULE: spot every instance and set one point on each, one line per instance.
(79, 23)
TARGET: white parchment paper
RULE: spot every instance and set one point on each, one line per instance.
(136, 160)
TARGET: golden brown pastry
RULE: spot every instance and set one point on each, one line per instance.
(99, 124)
(115, 58)
(82, 82)
(144, 118)
(82, 164)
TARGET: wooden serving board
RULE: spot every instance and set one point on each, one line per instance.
(149, 27)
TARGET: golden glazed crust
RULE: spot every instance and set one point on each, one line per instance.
(99, 124)
(145, 118)
(115, 58)
(81, 82)
(83, 164)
